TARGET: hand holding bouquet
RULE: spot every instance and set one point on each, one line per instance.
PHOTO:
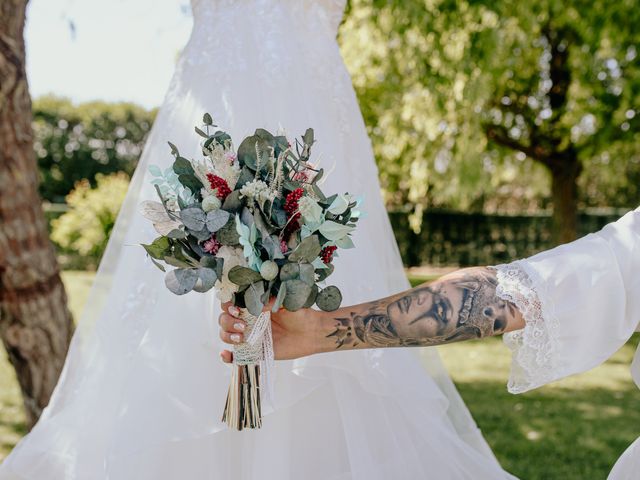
(255, 226)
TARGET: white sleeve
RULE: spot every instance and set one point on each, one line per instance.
(580, 302)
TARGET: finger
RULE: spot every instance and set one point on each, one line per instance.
(226, 356)
(231, 309)
(231, 338)
(231, 324)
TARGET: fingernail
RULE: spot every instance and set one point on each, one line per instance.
(234, 311)
(239, 326)
(235, 338)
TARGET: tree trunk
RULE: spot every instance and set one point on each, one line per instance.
(35, 324)
(564, 192)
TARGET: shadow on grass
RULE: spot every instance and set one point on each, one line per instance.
(555, 433)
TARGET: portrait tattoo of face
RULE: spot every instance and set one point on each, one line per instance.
(459, 308)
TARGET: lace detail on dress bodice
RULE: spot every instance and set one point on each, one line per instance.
(534, 350)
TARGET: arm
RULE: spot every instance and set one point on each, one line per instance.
(459, 306)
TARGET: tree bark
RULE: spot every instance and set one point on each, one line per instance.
(35, 323)
(564, 193)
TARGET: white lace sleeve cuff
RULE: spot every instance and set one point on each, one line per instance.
(534, 348)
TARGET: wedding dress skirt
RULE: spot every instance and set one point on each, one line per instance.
(143, 389)
(581, 303)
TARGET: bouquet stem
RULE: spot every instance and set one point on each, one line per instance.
(243, 408)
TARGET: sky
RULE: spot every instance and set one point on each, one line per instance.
(113, 50)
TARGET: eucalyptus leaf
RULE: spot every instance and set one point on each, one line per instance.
(174, 149)
(272, 245)
(329, 299)
(191, 182)
(345, 243)
(312, 297)
(206, 119)
(216, 219)
(233, 202)
(244, 276)
(193, 218)
(307, 250)
(228, 234)
(297, 294)
(182, 166)
(307, 273)
(335, 231)
(323, 273)
(208, 261)
(247, 152)
(177, 234)
(201, 133)
(206, 280)
(201, 235)
(308, 137)
(252, 298)
(181, 280)
(279, 298)
(246, 176)
(289, 271)
(157, 264)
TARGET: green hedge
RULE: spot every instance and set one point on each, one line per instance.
(468, 239)
(77, 142)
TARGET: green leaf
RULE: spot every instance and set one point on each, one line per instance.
(206, 279)
(217, 219)
(289, 271)
(312, 297)
(233, 203)
(174, 149)
(329, 299)
(191, 182)
(297, 294)
(177, 234)
(201, 133)
(307, 273)
(181, 280)
(308, 137)
(157, 264)
(323, 273)
(307, 250)
(207, 120)
(244, 276)
(335, 231)
(279, 298)
(246, 176)
(208, 261)
(158, 248)
(193, 218)
(182, 166)
(247, 152)
(252, 298)
(272, 245)
(201, 235)
(228, 235)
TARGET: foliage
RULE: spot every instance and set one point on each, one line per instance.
(85, 228)
(431, 75)
(253, 223)
(76, 142)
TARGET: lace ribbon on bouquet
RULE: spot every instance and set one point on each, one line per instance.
(252, 371)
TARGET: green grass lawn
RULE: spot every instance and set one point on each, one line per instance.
(573, 429)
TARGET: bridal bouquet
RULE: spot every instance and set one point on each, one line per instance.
(254, 225)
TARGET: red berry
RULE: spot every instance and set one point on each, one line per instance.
(220, 185)
(327, 254)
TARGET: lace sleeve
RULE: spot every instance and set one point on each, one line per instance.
(534, 348)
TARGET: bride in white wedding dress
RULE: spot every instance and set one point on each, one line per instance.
(143, 389)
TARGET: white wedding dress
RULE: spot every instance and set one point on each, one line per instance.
(143, 389)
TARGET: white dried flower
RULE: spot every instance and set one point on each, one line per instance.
(211, 203)
(258, 191)
(225, 288)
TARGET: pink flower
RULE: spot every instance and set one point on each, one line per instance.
(283, 246)
(231, 157)
(212, 245)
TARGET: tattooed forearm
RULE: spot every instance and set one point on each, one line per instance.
(458, 307)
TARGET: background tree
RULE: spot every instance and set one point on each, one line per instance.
(35, 324)
(459, 94)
